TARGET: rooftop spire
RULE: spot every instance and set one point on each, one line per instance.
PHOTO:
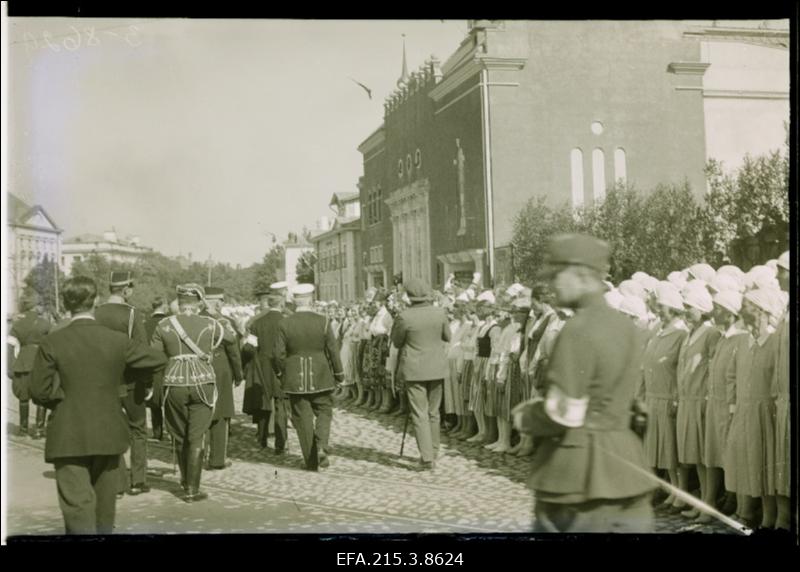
(404, 74)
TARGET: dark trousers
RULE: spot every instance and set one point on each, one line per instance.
(218, 442)
(187, 418)
(627, 515)
(87, 489)
(306, 409)
(280, 409)
(136, 411)
(424, 400)
(158, 420)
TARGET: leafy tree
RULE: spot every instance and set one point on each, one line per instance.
(40, 286)
(305, 267)
(269, 270)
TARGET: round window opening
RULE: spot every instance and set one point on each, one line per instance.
(597, 127)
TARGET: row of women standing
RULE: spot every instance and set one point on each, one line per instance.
(716, 386)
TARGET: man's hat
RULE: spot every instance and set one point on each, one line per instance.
(576, 249)
(783, 260)
(214, 293)
(303, 290)
(279, 286)
(190, 290)
(417, 290)
(121, 279)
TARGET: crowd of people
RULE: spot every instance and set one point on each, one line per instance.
(710, 357)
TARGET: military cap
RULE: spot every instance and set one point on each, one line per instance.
(731, 300)
(214, 293)
(303, 290)
(278, 286)
(121, 279)
(576, 249)
(783, 260)
(190, 290)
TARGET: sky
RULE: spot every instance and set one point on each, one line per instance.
(200, 136)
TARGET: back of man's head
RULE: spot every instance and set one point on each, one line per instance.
(79, 294)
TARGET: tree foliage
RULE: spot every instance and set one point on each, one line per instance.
(39, 286)
(305, 267)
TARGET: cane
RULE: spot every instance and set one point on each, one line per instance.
(405, 430)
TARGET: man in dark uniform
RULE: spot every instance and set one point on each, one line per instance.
(228, 370)
(589, 471)
(118, 315)
(155, 403)
(77, 372)
(264, 395)
(25, 336)
(307, 356)
(190, 391)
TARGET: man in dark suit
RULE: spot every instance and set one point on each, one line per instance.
(307, 356)
(117, 314)
(263, 395)
(420, 334)
(155, 403)
(77, 372)
(25, 335)
(228, 369)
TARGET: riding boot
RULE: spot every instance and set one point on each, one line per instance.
(41, 417)
(263, 428)
(183, 456)
(24, 411)
(194, 465)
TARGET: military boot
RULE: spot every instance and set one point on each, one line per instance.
(24, 411)
(41, 417)
(194, 465)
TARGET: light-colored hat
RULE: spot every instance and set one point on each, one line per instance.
(514, 290)
(668, 295)
(758, 273)
(633, 306)
(702, 272)
(303, 290)
(190, 290)
(664, 286)
(694, 285)
(640, 277)
(783, 260)
(279, 286)
(632, 288)
(731, 300)
(463, 297)
(731, 270)
(476, 278)
(766, 283)
(677, 278)
(698, 298)
(722, 282)
(609, 286)
(487, 296)
(613, 298)
(768, 300)
(521, 304)
(772, 264)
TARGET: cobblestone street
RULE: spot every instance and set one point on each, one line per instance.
(368, 488)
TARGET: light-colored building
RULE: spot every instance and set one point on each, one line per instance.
(33, 237)
(108, 245)
(338, 249)
(294, 248)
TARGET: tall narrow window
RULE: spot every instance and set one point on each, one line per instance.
(598, 175)
(576, 167)
(620, 170)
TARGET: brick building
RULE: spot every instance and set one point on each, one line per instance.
(529, 108)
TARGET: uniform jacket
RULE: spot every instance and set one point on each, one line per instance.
(589, 382)
(421, 333)
(90, 361)
(660, 363)
(124, 318)
(150, 325)
(263, 383)
(227, 365)
(206, 333)
(694, 359)
(28, 331)
(307, 353)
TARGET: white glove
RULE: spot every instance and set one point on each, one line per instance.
(252, 340)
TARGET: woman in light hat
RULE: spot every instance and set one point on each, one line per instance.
(750, 450)
(514, 390)
(452, 395)
(477, 404)
(721, 392)
(362, 333)
(702, 272)
(660, 392)
(693, 360)
(781, 392)
(497, 377)
(349, 351)
(469, 340)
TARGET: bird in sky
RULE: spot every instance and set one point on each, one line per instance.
(368, 90)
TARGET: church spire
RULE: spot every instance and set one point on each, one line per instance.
(404, 74)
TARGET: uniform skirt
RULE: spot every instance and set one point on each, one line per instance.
(490, 389)
(660, 448)
(477, 397)
(453, 402)
(514, 389)
(750, 451)
(782, 446)
(690, 430)
(349, 357)
(359, 357)
(717, 423)
(374, 362)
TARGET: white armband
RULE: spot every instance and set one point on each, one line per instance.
(14, 342)
(252, 340)
(565, 410)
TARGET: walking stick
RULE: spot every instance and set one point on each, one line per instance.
(405, 430)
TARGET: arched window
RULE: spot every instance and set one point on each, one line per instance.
(576, 168)
(598, 174)
(620, 169)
